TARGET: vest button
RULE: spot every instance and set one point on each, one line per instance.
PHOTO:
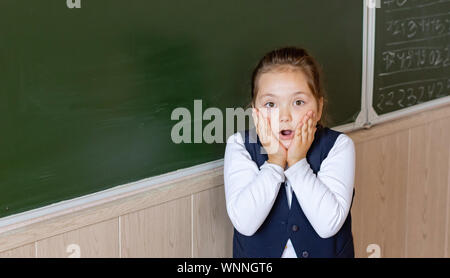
(294, 228)
(305, 254)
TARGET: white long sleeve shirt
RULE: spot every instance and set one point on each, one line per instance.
(325, 198)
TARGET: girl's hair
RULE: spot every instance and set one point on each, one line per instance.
(292, 58)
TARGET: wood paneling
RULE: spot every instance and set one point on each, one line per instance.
(98, 240)
(26, 251)
(427, 189)
(159, 231)
(447, 233)
(213, 230)
(407, 122)
(380, 188)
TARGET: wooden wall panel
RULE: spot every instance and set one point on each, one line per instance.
(379, 209)
(447, 233)
(357, 207)
(428, 190)
(159, 231)
(26, 251)
(213, 231)
(94, 241)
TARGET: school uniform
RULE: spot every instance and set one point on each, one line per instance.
(300, 211)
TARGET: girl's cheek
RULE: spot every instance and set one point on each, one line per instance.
(275, 119)
(302, 115)
(274, 113)
(268, 112)
(298, 117)
(265, 112)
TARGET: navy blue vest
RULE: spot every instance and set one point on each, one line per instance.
(283, 223)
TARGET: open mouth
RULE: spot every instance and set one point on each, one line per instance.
(286, 134)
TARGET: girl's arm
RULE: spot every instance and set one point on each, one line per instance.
(249, 192)
(326, 198)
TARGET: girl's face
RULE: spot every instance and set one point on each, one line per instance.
(285, 98)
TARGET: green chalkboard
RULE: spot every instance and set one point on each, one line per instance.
(412, 56)
(86, 94)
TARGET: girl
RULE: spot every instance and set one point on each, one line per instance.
(289, 181)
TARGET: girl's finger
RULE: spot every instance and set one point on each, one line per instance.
(304, 131)
(261, 126)
(264, 120)
(298, 129)
(268, 127)
(264, 125)
(297, 134)
(258, 121)
(310, 128)
(272, 147)
(255, 118)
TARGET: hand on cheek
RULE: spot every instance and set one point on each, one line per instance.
(303, 138)
(276, 152)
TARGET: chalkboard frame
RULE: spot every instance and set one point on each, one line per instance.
(372, 116)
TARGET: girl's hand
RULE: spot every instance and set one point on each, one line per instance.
(276, 152)
(303, 138)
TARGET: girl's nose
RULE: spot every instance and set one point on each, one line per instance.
(285, 115)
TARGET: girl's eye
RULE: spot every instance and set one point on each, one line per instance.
(298, 102)
(269, 104)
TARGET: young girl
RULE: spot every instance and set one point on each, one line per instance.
(289, 181)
